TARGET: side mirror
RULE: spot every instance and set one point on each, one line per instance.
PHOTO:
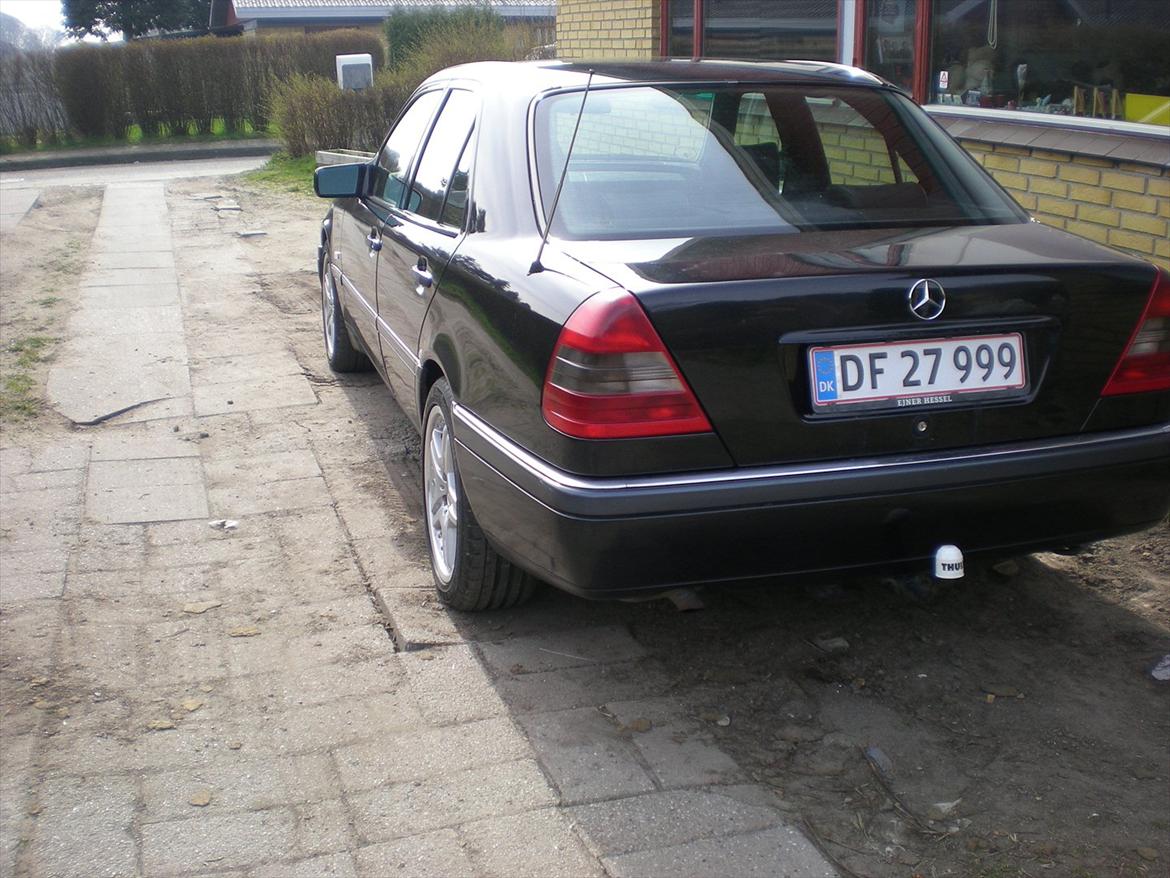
(340, 181)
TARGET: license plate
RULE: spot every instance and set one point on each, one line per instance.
(925, 372)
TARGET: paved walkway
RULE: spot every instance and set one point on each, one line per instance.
(194, 699)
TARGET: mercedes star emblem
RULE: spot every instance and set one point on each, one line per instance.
(926, 299)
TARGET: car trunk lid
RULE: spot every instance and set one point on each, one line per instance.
(741, 315)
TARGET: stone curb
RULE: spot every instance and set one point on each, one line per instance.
(120, 155)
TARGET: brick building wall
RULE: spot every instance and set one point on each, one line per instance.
(1123, 204)
(608, 28)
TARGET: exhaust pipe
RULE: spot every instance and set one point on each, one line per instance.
(948, 562)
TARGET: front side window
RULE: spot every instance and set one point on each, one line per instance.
(436, 168)
(652, 161)
(397, 154)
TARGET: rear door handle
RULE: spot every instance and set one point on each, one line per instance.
(374, 240)
(423, 279)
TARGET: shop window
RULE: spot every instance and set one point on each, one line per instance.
(1104, 58)
(770, 29)
(889, 40)
(756, 29)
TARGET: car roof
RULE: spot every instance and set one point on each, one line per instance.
(532, 77)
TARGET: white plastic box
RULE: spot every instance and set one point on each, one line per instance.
(355, 72)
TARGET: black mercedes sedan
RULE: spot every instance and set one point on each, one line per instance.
(674, 323)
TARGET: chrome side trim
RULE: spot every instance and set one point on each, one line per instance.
(404, 353)
(559, 479)
(384, 331)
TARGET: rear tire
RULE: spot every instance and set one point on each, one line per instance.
(339, 350)
(469, 573)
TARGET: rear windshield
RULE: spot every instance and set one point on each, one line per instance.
(654, 161)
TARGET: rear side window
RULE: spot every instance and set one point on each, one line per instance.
(655, 161)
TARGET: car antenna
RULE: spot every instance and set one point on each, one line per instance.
(536, 266)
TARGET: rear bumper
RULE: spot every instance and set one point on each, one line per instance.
(612, 537)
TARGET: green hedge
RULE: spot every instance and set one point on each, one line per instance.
(177, 86)
(312, 113)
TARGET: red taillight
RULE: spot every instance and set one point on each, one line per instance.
(1145, 365)
(612, 378)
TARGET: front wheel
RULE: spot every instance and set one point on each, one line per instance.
(469, 574)
(339, 349)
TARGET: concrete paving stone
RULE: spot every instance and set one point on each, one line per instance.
(135, 276)
(328, 611)
(109, 241)
(142, 491)
(324, 827)
(364, 519)
(581, 687)
(150, 473)
(329, 866)
(103, 584)
(142, 259)
(182, 651)
(219, 342)
(420, 806)
(15, 205)
(283, 647)
(314, 535)
(146, 503)
(41, 481)
(60, 455)
(28, 576)
(780, 852)
(450, 686)
(258, 469)
(44, 531)
(137, 444)
(585, 755)
(415, 615)
(222, 548)
(438, 854)
(16, 789)
(98, 300)
(106, 653)
(412, 755)
(84, 828)
(678, 751)
(536, 844)
(287, 689)
(235, 500)
(399, 562)
(246, 784)
(251, 530)
(277, 392)
(225, 841)
(190, 744)
(333, 724)
(15, 460)
(20, 508)
(27, 634)
(231, 369)
(110, 547)
(120, 322)
(89, 381)
(666, 819)
(570, 648)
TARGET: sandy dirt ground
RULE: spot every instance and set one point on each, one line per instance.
(1008, 727)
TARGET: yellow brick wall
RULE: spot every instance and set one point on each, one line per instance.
(608, 28)
(1122, 204)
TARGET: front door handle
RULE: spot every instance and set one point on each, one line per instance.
(423, 279)
(374, 240)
